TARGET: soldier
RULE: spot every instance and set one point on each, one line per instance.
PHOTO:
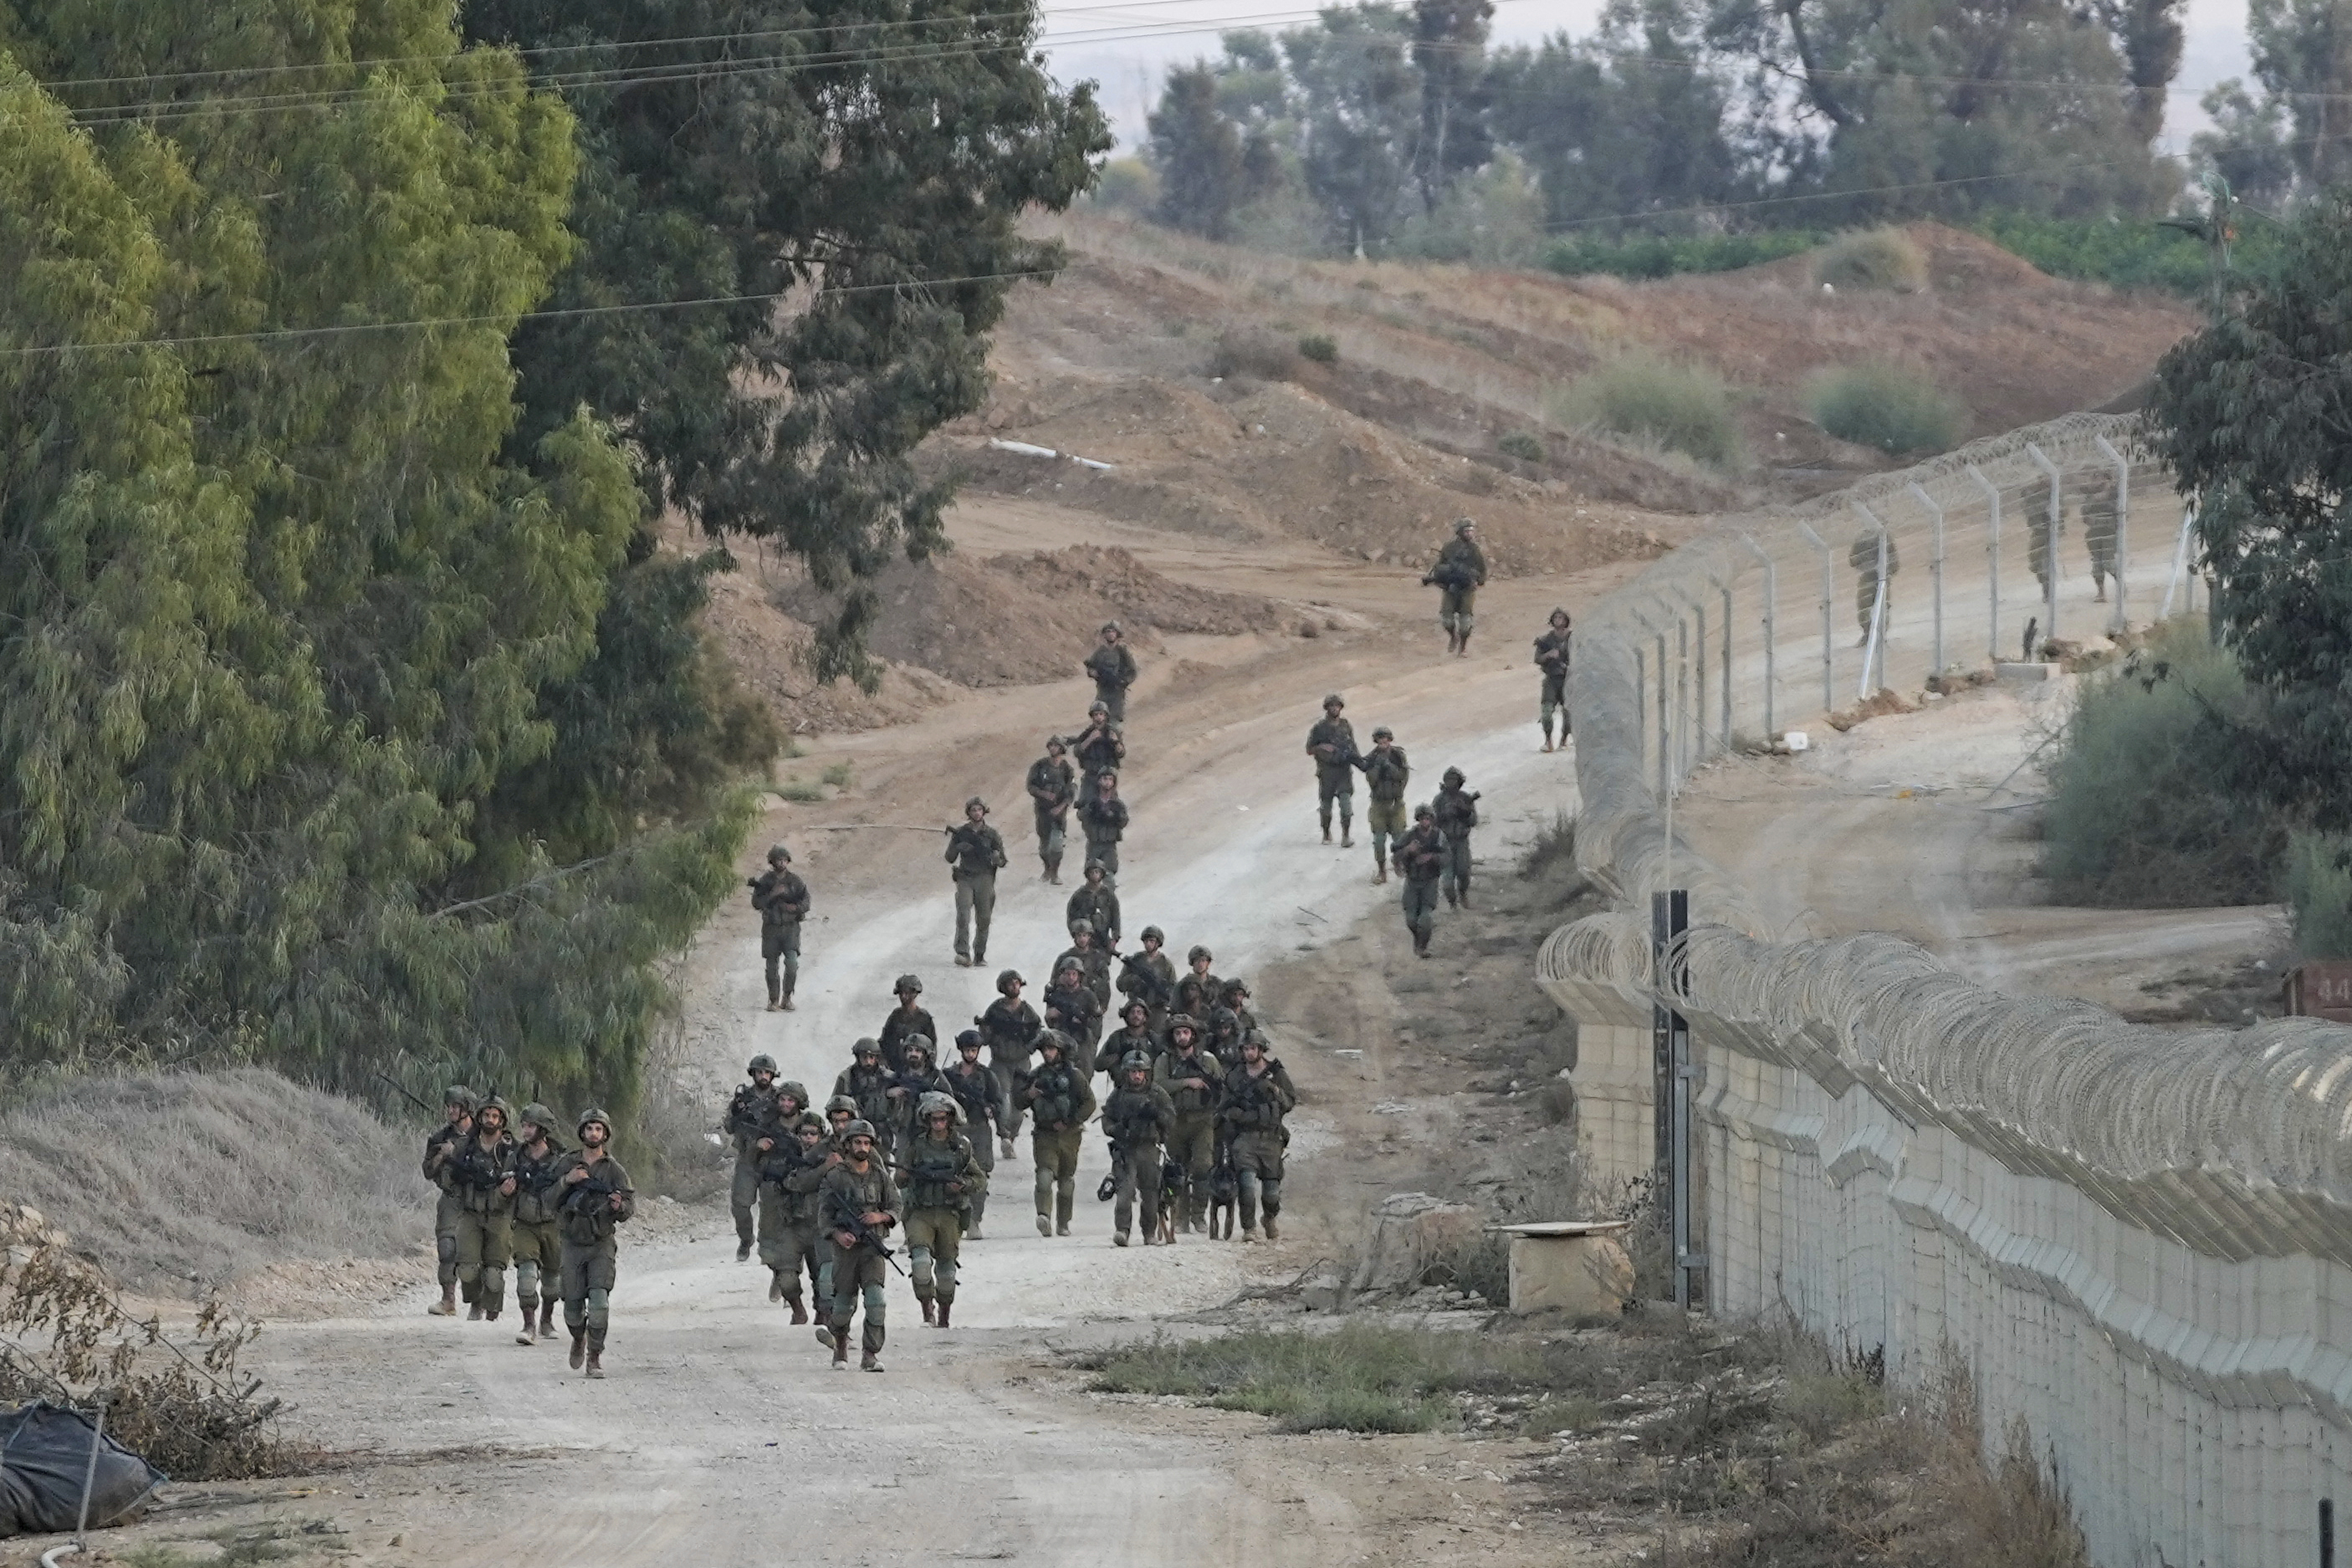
(1059, 1094)
(1194, 1082)
(1112, 666)
(745, 1112)
(2102, 511)
(537, 1242)
(1221, 1033)
(1138, 1116)
(593, 1197)
(1052, 787)
(1459, 574)
(908, 1087)
(1011, 1027)
(907, 1019)
(1099, 748)
(1332, 744)
(867, 1082)
(1233, 997)
(783, 900)
(1863, 556)
(1385, 772)
(839, 1112)
(860, 1205)
(775, 1149)
(1071, 1007)
(788, 1216)
(984, 1110)
(941, 1174)
(458, 1106)
(1455, 811)
(1198, 991)
(1134, 1034)
(1421, 857)
(1105, 819)
(1098, 905)
(483, 1168)
(1086, 947)
(977, 853)
(1148, 977)
(1257, 1096)
(1551, 658)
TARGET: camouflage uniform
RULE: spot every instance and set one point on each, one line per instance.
(844, 1194)
(1385, 770)
(1139, 1121)
(905, 1019)
(1052, 787)
(1197, 992)
(448, 1206)
(1251, 1112)
(1459, 574)
(1332, 744)
(1194, 1084)
(1146, 976)
(1127, 1039)
(1093, 961)
(783, 900)
(940, 1177)
(592, 1250)
(905, 1092)
(486, 1215)
(1074, 1011)
(976, 1089)
(868, 1082)
(1105, 818)
(751, 1105)
(1112, 666)
(977, 853)
(1098, 905)
(1011, 1027)
(1456, 811)
(1421, 857)
(537, 1241)
(1061, 1095)
(789, 1174)
(1100, 749)
(1551, 658)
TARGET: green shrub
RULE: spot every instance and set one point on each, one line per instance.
(2128, 254)
(1682, 407)
(2318, 888)
(1248, 353)
(1522, 445)
(1127, 185)
(1873, 258)
(840, 775)
(1660, 256)
(1321, 346)
(2138, 818)
(800, 791)
(1894, 409)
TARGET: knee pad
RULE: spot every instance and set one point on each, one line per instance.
(1249, 1183)
(527, 1278)
(877, 1303)
(1271, 1194)
(919, 1264)
(446, 1246)
(599, 1311)
(945, 1272)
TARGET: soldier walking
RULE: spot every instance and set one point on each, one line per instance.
(1134, 1033)
(483, 1166)
(1099, 748)
(1551, 658)
(788, 1213)
(783, 900)
(1455, 811)
(941, 1174)
(905, 1020)
(1198, 989)
(1011, 1027)
(985, 1114)
(866, 1082)
(1138, 1117)
(1059, 1093)
(747, 1112)
(595, 1196)
(1105, 817)
(1257, 1096)
(1385, 772)
(976, 851)
(1194, 1082)
(1096, 904)
(1112, 666)
(1087, 949)
(1146, 976)
(909, 1085)
(1459, 574)
(1053, 786)
(1072, 1009)
(536, 1241)
(1332, 744)
(457, 1107)
(1421, 859)
(861, 1207)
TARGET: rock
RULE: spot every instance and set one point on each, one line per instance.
(1410, 1231)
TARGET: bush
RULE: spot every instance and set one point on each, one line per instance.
(1127, 185)
(1682, 407)
(1874, 258)
(1525, 445)
(2318, 888)
(840, 775)
(1321, 346)
(2142, 255)
(1660, 256)
(800, 791)
(1252, 353)
(2138, 817)
(1888, 406)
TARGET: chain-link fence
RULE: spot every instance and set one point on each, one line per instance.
(2141, 1239)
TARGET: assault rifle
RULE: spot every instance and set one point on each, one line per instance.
(1139, 982)
(867, 1235)
(598, 1186)
(1118, 1163)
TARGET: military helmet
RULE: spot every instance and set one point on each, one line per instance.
(1055, 743)
(810, 1122)
(1110, 626)
(1135, 1005)
(1099, 706)
(1153, 934)
(1463, 525)
(1083, 925)
(1224, 1022)
(1055, 1039)
(505, 1111)
(860, 1128)
(968, 1036)
(538, 1115)
(794, 1088)
(1184, 1022)
(778, 852)
(593, 1114)
(1454, 775)
(763, 1062)
(1383, 733)
(1069, 965)
(1423, 813)
(1133, 1059)
(1333, 699)
(1256, 1037)
(840, 1103)
(867, 1046)
(1095, 864)
(458, 1094)
(1008, 978)
(1558, 614)
(1235, 984)
(934, 1103)
(915, 1042)
(1199, 953)
(906, 983)
(976, 800)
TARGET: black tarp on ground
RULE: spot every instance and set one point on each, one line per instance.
(45, 1454)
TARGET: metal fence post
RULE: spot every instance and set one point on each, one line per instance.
(1726, 733)
(1698, 709)
(1771, 601)
(1829, 588)
(1682, 698)
(2179, 565)
(1993, 552)
(2122, 526)
(1934, 564)
(1641, 697)
(2050, 543)
(1874, 642)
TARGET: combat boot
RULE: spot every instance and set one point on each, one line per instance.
(1270, 1233)
(596, 1357)
(775, 1285)
(447, 1307)
(1449, 898)
(530, 1322)
(1250, 1234)
(825, 1335)
(772, 998)
(1464, 646)
(871, 1360)
(1379, 872)
(930, 1312)
(1465, 895)
(800, 1312)
(1347, 834)
(840, 1353)
(547, 1318)
(945, 1308)
(788, 1001)
(1120, 1239)
(474, 1314)
(579, 1348)
(1326, 829)
(1045, 1225)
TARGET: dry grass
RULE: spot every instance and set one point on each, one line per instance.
(201, 1177)
(1873, 258)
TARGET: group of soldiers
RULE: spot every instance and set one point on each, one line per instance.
(1434, 853)
(908, 1145)
(511, 1192)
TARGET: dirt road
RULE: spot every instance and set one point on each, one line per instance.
(720, 1437)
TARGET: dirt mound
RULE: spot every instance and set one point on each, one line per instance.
(769, 649)
(1142, 600)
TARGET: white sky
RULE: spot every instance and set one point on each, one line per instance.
(1125, 45)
